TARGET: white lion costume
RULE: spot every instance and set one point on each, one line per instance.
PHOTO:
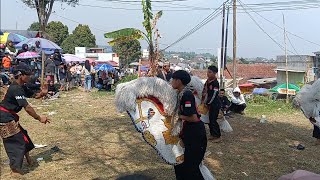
(308, 100)
(151, 104)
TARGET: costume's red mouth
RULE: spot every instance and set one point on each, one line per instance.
(157, 102)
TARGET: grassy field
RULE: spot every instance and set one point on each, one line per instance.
(97, 142)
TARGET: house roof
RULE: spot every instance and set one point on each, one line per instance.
(252, 71)
(245, 71)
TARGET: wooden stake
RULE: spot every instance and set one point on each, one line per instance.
(222, 47)
(286, 54)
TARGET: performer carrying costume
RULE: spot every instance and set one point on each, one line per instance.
(16, 141)
(308, 100)
(193, 133)
(210, 98)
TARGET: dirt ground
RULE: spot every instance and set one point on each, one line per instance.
(93, 141)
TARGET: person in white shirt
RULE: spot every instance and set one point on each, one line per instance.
(238, 103)
(87, 70)
(78, 69)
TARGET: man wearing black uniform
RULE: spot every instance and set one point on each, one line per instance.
(193, 133)
(211, 100)
(224, 101)
(16, 141)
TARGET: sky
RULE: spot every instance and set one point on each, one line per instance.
(251, 41)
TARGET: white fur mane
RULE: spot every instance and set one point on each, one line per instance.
(127, 93)
(309, 99)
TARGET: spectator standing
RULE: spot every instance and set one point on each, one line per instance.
(6, 62)
(93, 76)
(50, 68)
(87, 71)
(78, 69)
(62, 75)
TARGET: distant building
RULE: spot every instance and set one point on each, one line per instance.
(98, 54)
(301, 69)
(145, 53)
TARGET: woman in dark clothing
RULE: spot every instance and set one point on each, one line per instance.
(24, 48)
(93, 76)
(62, 75)
(16, 141)
(50, 68)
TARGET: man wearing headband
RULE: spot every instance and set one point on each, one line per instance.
(193, 133)
(16, 141)
(211, 99)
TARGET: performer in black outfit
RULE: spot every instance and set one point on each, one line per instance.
(193, 133)
(211, 99)
(16, 141)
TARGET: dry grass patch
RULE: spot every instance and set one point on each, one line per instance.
(96, 142)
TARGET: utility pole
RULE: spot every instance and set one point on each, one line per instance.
(226, 40)
(234, 43)
(286, 54)
(222, 47)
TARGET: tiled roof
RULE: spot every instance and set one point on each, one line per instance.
(245, 71)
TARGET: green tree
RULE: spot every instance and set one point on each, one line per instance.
(44, 9)
(128, 51)
(243, 61)
(149, 24)
(80, 37)
(35, 26)
(57, 32)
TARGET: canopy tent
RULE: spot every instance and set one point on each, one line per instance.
(28, 55)
(45, 45)
(144, 68)
(15, 38)
(134, 64)
(260, 91)
(104, 67)
(72, 58)
(292, 89)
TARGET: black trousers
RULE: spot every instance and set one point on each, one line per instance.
(316, 132)
(16, 147)
(237, 108)
(213, 124)
(195, 142)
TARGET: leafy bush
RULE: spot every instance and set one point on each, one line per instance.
(127, 79)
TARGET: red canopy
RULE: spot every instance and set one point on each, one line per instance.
(246, 85)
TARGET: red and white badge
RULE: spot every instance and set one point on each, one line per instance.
(187, 104)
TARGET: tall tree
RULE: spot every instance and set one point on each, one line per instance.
(44, 9)
(57, 32)
(149, 24)
(35, 26)
(128, 51)
(80, 37)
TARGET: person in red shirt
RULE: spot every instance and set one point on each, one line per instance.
(6, 61)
